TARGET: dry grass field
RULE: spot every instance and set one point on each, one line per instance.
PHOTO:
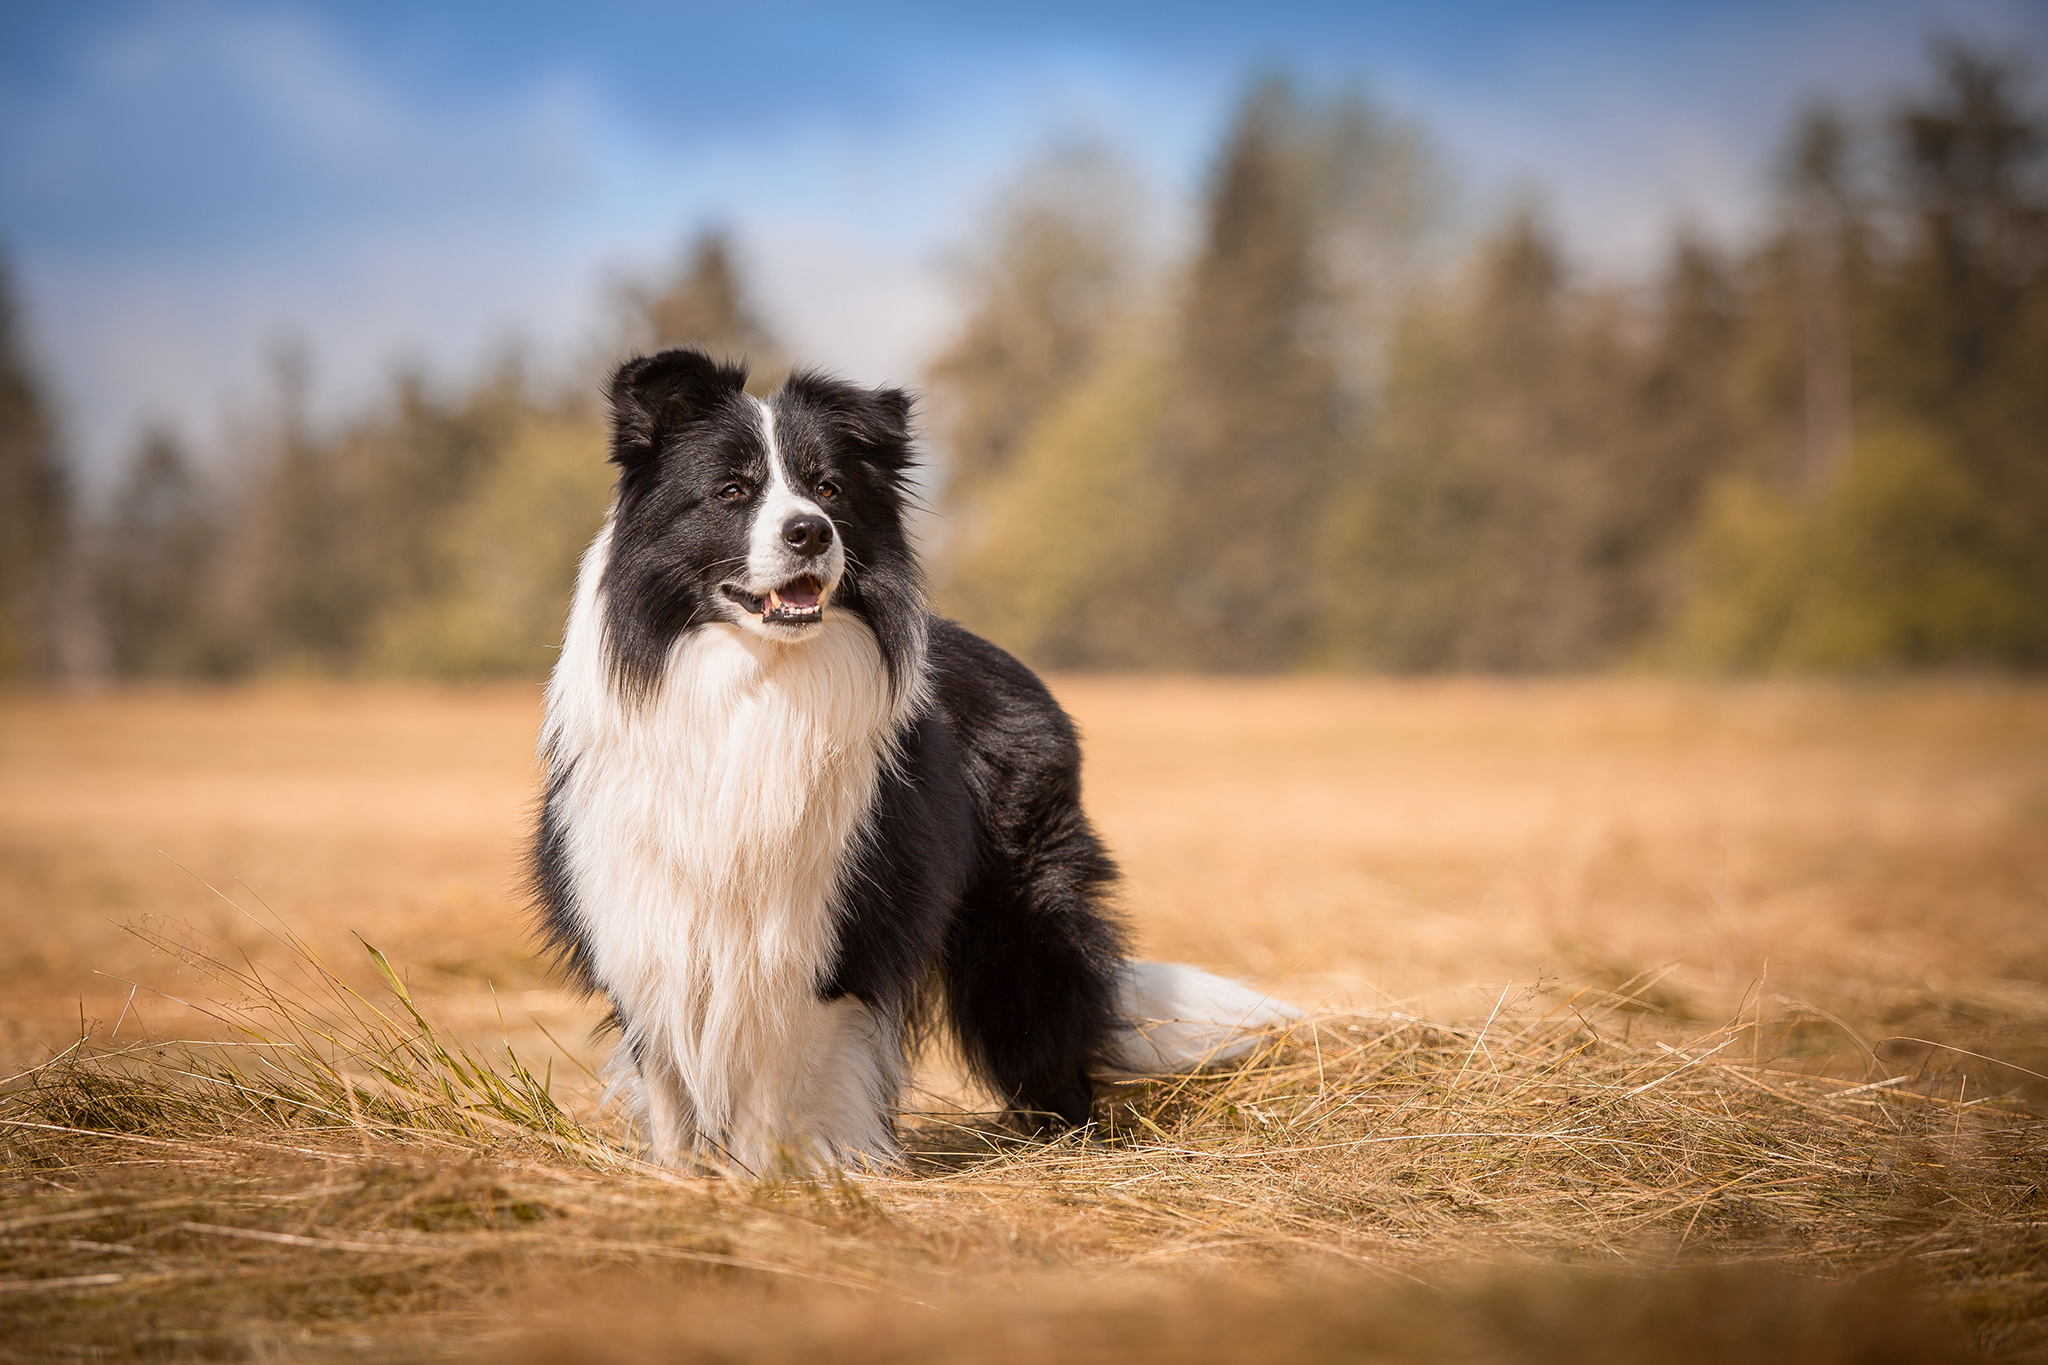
(1651, 1021)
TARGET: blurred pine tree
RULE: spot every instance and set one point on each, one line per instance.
(1961, 342)
(35, 505)
(508, 552)
(1825, 242)
(154, 565)
(1056, 272)
(1498, 517)
(1060, 569)
(1251, 439)
(702, 303)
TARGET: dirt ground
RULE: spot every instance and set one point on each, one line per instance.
(1859, 871)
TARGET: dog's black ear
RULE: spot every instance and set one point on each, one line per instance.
(653, 397)
(887, 420)
(876, 421)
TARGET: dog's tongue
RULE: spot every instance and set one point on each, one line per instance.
(802, 594)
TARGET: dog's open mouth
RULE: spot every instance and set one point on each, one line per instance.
(798, 602)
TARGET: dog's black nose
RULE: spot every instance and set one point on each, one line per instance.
(808, 535)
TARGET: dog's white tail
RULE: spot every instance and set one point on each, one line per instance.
(1183, 1019)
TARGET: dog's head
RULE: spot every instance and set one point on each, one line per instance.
(763, 514)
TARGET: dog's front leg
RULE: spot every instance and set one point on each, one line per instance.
(845, 1105)
(671, 1117)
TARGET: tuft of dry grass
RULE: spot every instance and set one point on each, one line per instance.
(300, 1050)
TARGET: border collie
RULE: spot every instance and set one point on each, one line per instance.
(786, 806)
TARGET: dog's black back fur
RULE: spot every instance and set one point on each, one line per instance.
(1033, 959)
(983, 864)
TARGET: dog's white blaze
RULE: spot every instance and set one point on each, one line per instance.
(706, 828)
(769, 561)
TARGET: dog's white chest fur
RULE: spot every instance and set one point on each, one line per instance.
(707, 826)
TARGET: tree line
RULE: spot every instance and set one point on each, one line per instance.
(1823, 448)
(1319, 440)
(435, 532)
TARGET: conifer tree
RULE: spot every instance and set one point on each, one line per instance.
(1252, 441)
(1058, 564)
(35, 504)
(1056, 273)
(1467, 542)
(1688, 427)
(1823, 229)
(1965, 343)
(153, 570)
(704, 302)
(304, 572)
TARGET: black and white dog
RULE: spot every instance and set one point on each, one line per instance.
(784, 800)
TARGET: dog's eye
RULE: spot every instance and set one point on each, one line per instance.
(827, 490)
(733, 492)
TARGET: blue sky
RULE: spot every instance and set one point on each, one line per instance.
(183, 184)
